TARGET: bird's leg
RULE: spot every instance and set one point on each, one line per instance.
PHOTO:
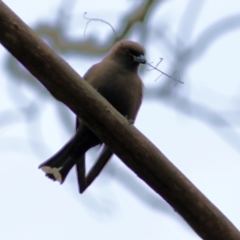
(85, 180)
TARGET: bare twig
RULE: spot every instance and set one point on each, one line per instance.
(98, 20)
(163, 73)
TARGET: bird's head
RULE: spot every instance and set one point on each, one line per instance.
(128, 53)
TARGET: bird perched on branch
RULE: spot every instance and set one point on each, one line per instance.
(116, 79)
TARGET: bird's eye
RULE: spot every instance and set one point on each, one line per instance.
(134, 53)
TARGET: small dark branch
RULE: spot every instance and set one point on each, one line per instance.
(138, 15)
(98, 20)
(135, 150)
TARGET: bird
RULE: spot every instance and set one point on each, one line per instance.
(116, 78)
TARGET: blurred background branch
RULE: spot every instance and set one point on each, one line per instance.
(182, 49)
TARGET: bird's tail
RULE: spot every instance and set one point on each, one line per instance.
(59, 165)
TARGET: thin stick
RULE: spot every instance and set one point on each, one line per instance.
(99, 20)
(163, 73)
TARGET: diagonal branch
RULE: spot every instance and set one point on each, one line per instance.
(135, 150)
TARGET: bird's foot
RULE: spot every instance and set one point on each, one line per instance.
(130, 120)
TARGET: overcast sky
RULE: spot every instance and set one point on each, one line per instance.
(201, 138)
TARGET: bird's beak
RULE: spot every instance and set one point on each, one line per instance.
(140, 59)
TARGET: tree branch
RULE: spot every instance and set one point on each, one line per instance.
(137, 152)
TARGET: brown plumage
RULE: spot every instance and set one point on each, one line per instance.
(115, 78)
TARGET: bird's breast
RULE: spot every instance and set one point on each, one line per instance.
(122, 88)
